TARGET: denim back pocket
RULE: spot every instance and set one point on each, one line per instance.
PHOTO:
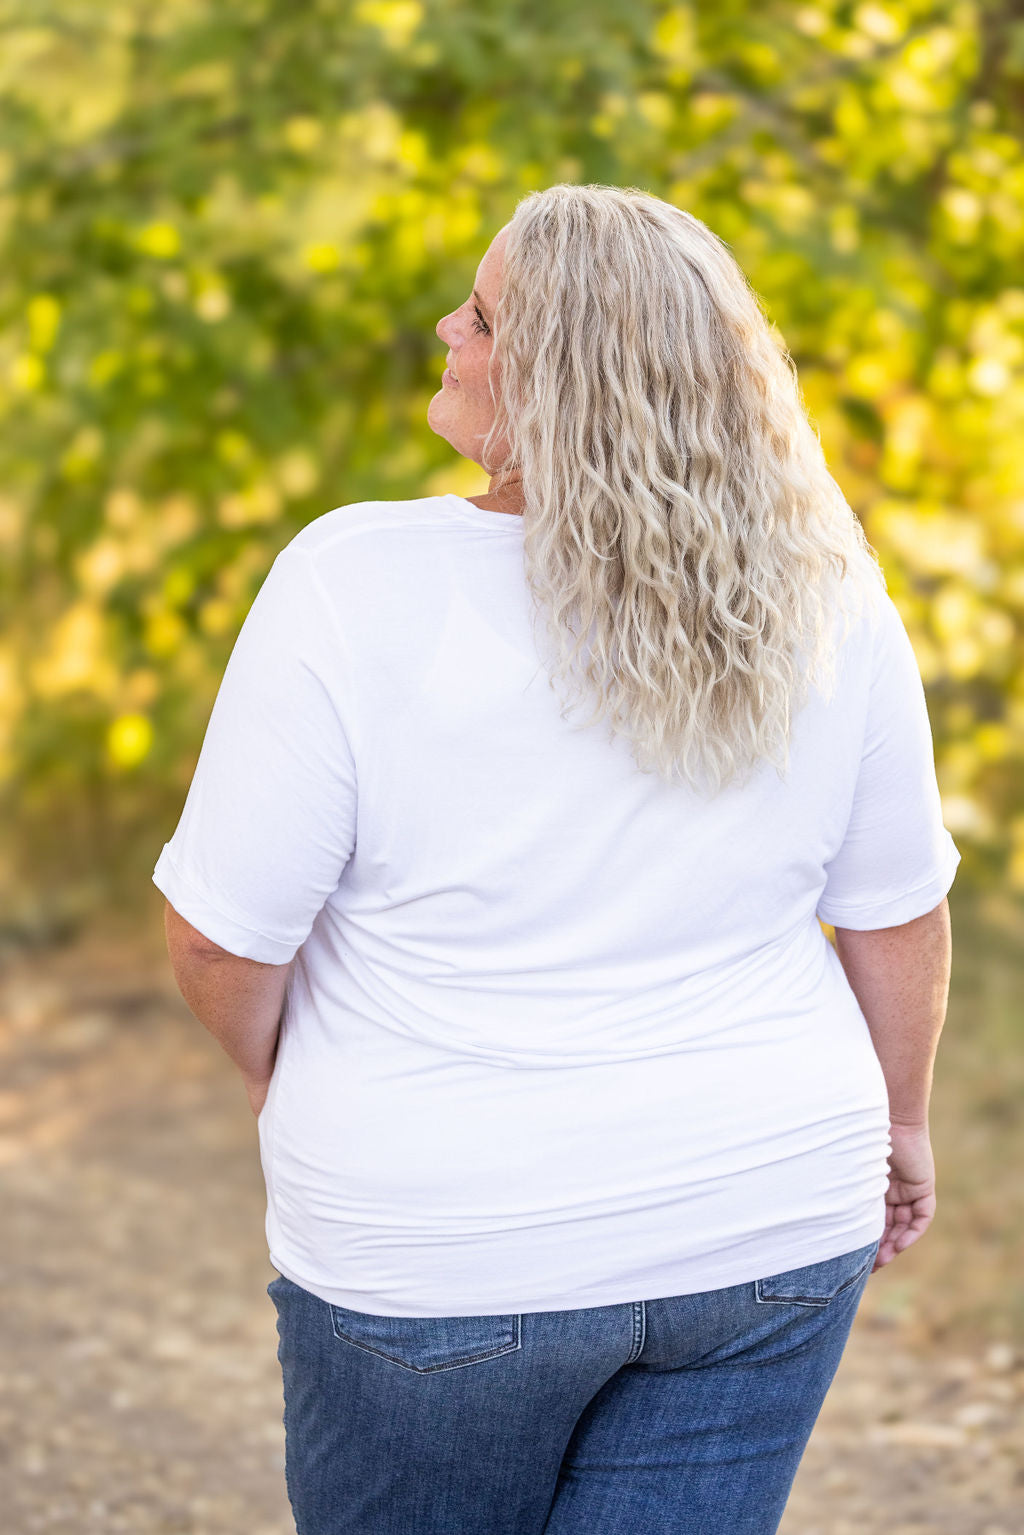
(429, 1343)
(817, 1283)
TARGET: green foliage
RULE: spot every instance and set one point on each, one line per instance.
(230, 230)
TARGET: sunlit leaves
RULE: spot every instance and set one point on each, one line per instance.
(396, 20)
(43, 314)
(227, 248)
(160, 240)
(129, 739)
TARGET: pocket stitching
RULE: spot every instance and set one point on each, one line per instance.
(804, 1300)
(430, 1369)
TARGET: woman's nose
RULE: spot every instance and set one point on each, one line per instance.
(453, 339)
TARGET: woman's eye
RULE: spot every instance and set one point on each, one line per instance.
(480, 324)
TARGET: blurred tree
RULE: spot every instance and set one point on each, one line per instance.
(229, 232)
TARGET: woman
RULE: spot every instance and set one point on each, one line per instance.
(573, 1122)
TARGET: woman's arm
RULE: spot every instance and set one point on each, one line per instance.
(900, 977)
(238, 1000)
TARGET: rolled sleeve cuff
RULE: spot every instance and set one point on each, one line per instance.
(213, 922)
(862, 916)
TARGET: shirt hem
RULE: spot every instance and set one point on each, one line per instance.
(711, 1277)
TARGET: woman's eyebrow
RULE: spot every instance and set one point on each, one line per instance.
(478, 298)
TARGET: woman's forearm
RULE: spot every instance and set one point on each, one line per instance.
(238, 1000)
(900, 977)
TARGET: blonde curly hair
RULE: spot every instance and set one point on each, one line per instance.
(681, 527)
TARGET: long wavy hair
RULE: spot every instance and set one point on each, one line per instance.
(681, 529)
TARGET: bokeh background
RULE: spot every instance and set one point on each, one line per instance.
(229, 230)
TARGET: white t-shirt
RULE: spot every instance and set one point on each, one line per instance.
(557, 1033)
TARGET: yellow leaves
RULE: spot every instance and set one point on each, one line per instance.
(376, 130)
(133, 542)
(883, 24)
(159, 239)
(712, 109)
(998, 350)
(212, 296)
(163, 634)
(233, 447)
(395, 20)
(909, 90)
(784, 200)
(237, 581)
(321, 256)
(12, 521)
(529, 175)
(82, 454)
(461, 478)
(988, 376)
(141, 688)
(935, 51)
(963, 629)
(11, 692)
(296, 472)
(139, 300)
(106, 365)
(100, 566)
(43, 312)
(945, 379)
(795, 204)
(761, 59)
(256, 504)
(478, 162)
(1015, 867)
(851, 114)
(963, 210)
(415, 218)
(211, 77)
(414, 155)
(75, 657)
(26, 373)
(992, 741)
(930, 540)
(177, 519)
(460, 224)
(122, 507)
(870, 374)
(986, 197)
(303, 133)
(675, 39)
(811, 21)
(129, 739)
(108, 560)
(970, 629)
(909, 425)
(178, 585)
(606, 122)
(216, 616)
(965, 817)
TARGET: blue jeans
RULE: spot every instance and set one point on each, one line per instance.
(687, 1415)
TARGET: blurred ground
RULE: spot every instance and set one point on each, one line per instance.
(139, 1385)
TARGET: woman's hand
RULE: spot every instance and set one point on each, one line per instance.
(910, 1197)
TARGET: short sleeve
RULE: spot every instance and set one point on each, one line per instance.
(897, 860)
(269, 820)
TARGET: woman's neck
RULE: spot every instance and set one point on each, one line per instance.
(509, 498)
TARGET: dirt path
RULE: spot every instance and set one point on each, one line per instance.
(140, 1385)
